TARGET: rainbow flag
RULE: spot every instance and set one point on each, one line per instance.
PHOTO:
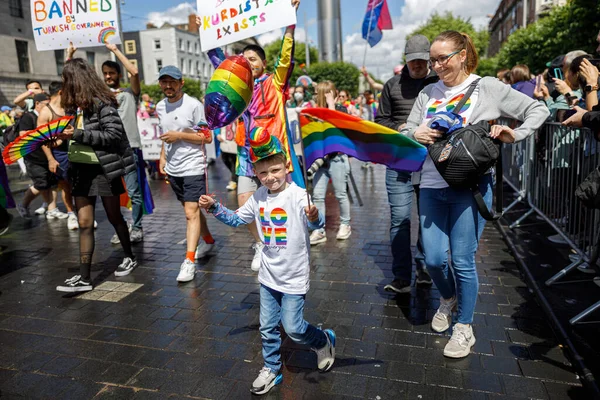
(327, 131)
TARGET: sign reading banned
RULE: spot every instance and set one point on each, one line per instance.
(86, 23)
(227, 21)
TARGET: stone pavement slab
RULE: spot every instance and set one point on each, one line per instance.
(145, 336)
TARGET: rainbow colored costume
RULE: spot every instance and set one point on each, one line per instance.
(267, 110)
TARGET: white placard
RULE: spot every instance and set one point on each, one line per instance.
(86, 23)
(228, 21)
(150, 134)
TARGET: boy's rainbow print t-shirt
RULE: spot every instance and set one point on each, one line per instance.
(282, 224)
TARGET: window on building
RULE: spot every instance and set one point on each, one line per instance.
(130, 47)
(181, 46)
(22, 55)
(159, 65)
(189, 46)
(198, 68)
(90, 56)
(190, 69)
(16, 8)
(196, 48)
(182, 66)
(60, 60)
(157, 44)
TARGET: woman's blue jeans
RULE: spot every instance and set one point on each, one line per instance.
(451, 222)
(338, 171)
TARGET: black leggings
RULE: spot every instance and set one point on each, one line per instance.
(86, 209)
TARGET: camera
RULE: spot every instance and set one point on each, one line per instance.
(316, 165)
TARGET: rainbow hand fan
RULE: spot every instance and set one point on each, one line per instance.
(34, 139)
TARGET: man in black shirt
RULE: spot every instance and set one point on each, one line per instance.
(395, 104)
(36, 162)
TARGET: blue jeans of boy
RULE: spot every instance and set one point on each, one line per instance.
(400, 197)
(338, 171)
(276, 307)
(450, 220)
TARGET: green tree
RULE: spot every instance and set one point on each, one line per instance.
(344, 75)
(571, 27)
(438, 23)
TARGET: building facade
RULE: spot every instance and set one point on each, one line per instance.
(514, 14)
(133, 51)
(20, 60)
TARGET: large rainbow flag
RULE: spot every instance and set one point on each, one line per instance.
(327, 131)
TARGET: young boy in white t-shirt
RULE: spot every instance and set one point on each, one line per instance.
(283, 215)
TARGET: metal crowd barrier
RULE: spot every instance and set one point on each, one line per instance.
(544, 171)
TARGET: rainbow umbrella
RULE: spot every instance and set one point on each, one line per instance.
(32, 140)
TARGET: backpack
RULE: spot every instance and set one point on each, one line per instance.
(10, 134)
(465, 155)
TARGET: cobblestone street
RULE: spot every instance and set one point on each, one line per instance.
(144, 336)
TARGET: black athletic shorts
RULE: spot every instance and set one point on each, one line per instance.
(41, 176)
(188, 188)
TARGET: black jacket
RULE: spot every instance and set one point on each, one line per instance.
(591, 120)
(104, 132)
(398, 96)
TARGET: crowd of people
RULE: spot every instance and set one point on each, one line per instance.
(99, 155)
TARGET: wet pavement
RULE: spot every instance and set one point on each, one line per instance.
(146, 337)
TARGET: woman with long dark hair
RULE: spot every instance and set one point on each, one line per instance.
(99, 156)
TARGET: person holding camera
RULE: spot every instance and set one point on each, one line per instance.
(448, 215)
(335, 167)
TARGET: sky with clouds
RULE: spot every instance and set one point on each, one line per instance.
(381, 59)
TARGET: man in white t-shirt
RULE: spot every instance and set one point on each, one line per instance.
(282, 213)
(183, 160)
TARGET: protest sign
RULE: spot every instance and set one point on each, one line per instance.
(227, 21)
(86, 23)
(150, 134)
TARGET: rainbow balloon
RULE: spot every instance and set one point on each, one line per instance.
(304, 80)
(229, 92)
(105, 34)
(32, 140)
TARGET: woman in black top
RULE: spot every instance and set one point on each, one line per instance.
(99, 135)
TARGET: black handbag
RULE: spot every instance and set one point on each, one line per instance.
(589, 190)
(465, 155)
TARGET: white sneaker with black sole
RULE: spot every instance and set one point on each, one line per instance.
(326, 354)
(265, 381)
(126, 267)
(75, 284)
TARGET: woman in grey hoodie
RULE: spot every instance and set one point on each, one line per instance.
(448, 216)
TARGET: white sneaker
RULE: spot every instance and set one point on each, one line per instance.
(265, 381)
(72, 222)
(56, 214)
(258, 248)
(443, 316)
(460, 343)
(41, 210)
(203, 249)
(187, 271)
(95, 224)
(115, 239)
(318, 236)
(23, 211)
(558, 239)
(326, 354)
(344, 232)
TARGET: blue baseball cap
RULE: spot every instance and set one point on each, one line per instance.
(5, 108)
(170, 70)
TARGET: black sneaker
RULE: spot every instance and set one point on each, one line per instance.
(398, 286)
(423, 278)
(75, 284)
(126, 267)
